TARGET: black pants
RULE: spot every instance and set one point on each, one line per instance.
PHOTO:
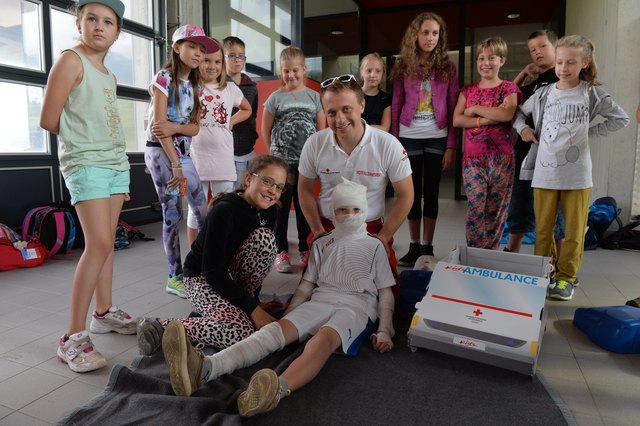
(426, 170)
(282, 221)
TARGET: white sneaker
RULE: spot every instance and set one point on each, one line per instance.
(114, 320)
(283, 262)
(79, 354)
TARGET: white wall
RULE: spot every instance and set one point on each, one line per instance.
(614, 28)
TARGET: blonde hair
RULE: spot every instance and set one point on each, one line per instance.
(587, 51)
(375, 56)
(222, 78)
(409, 59)
(495, 45)
(290, 53)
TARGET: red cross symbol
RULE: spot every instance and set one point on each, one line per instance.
(477, 312)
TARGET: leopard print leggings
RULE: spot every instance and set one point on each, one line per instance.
(222, 324)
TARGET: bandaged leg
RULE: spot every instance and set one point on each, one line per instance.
(244, 353)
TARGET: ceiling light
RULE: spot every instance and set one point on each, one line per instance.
(513, 13)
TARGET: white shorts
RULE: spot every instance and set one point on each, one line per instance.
(347, 317)
(216, 187)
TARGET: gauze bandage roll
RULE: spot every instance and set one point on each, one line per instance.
(349, 195)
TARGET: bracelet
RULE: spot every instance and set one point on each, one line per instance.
(477, 122)
(178, 164)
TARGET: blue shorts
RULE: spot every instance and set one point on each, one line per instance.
(92, 183)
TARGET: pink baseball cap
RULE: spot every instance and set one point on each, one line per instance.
(195, 34)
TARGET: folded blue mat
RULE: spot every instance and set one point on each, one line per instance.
(614, 328)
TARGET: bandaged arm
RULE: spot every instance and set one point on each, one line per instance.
(385, 315)
(301, 295)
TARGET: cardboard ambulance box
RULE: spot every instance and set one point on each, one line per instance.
(485, 305)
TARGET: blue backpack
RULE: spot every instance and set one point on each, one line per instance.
(602, 213)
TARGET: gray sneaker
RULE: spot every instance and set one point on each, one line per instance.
(150, 332)
(262, 395)
(553, 282)
(563, 290)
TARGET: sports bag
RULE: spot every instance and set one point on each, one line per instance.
(626, 238)
(125, 233)
(54, 227)
(602, 213)
(15, 253)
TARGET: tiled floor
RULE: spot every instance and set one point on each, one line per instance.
(35, 389)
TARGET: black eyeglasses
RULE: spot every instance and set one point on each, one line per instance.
(270, 183)
(236, 58)
(344, 78)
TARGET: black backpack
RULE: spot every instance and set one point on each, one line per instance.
(627, 237)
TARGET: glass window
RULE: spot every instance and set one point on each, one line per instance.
(139, 11)
(314, 67)
(131, 69)
(263, 25)
(131, 60)
(279, 47)
(20, 34)
(20, 119)
(133, 116)
(258, 10)
(255, 43)
(283, 22)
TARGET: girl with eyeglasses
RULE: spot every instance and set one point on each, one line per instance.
(425, 91)
(224, 271)
(291, 114)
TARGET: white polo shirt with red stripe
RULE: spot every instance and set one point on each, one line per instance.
(378, 158)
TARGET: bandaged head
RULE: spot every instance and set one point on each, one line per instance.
(349, 195)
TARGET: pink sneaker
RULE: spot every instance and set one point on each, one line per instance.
(283, 263)
(79, 354)
(304, 258)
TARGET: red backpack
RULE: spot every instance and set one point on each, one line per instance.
(12, 253)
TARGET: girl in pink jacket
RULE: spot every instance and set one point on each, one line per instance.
(425, 91)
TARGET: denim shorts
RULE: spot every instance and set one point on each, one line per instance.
(421, 146)
(92, 183)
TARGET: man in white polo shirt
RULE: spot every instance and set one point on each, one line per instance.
(352, 149)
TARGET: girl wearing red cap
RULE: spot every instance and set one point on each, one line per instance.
(174, 118)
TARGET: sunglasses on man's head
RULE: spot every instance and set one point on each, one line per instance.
(344, 78)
